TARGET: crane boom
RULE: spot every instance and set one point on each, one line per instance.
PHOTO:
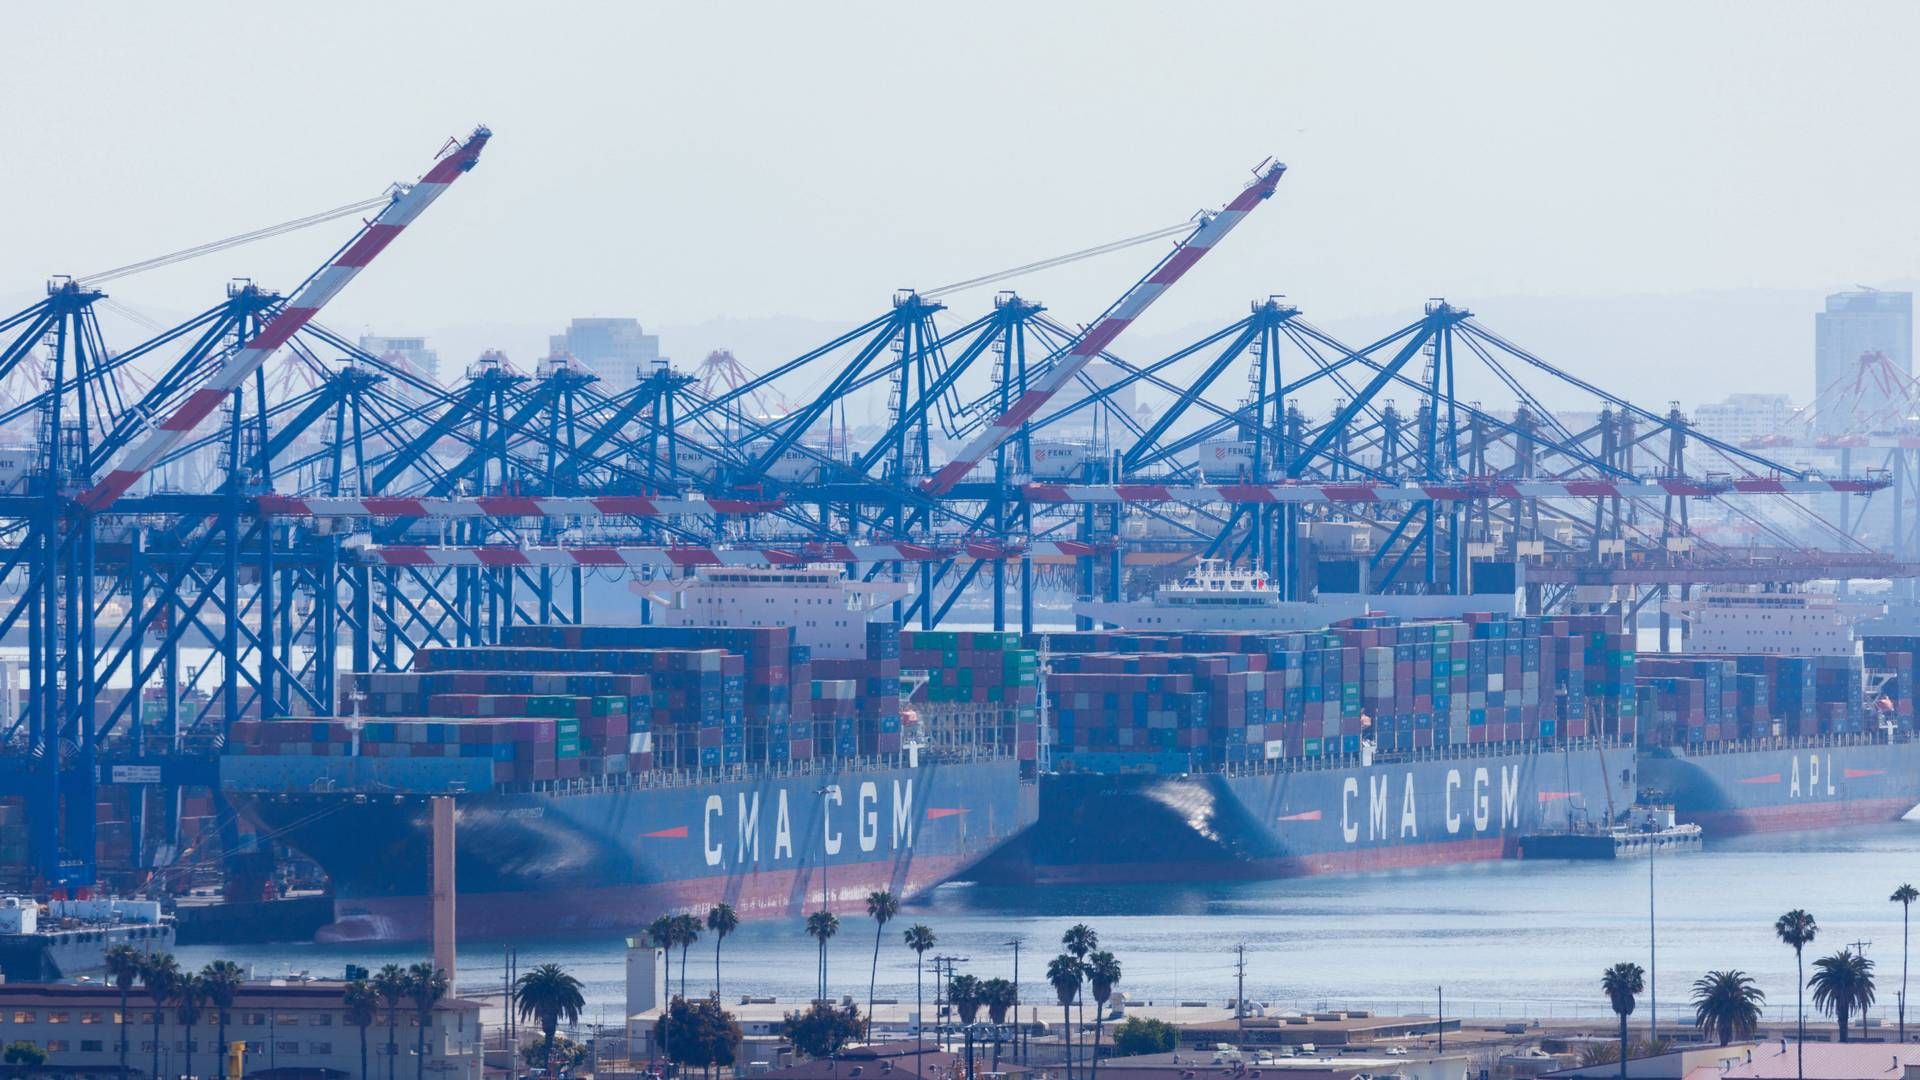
(1108, 327)
(306, 302)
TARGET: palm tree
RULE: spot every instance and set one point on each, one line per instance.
(919, 938)
(160, 974)
(999, 996)
(686, 931)
(660, 936)
(390, 982)
(363, 1008)
(189, 997)
(881, 908)
(548, 994)
(1063, 972)
(1103, 973)
(123, 967)
(222, 980)
(426, 985)
(1620, 983)
(1905, 895)
(1842, 986)
(1079, 940)
(1797, 928)
(721, 921)
(822, 925)
(966, 996)
(1727, 1003)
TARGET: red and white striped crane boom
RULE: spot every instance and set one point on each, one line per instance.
(306, 302)
(1104, 330)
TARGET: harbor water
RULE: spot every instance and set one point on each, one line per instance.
(1504, 939)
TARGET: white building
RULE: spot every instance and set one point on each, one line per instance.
(1742, 418)
(294, 1030)
(617, 350)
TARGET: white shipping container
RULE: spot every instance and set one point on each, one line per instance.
(1225, 460)
(793, 466)
(15, 463)
(1059, 461)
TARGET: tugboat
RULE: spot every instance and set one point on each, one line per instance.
(70, 937)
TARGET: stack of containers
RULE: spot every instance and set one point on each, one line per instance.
(982, 688)
(521, 750)
(871, 724)
(1407, 685)
(1706, 699)
(766, 684)
(698, 694)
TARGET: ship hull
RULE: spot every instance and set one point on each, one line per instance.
(612, 859)
(1735, 792)
(1095, 829)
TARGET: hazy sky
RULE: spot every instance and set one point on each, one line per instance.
(684, 162)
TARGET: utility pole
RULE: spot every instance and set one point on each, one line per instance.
(1440, 1016)
(1018, 1027)
(940, 992)
(1240, 994)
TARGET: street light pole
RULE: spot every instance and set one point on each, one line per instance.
(828, 791)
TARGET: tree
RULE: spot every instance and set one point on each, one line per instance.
(721, 921)
(1797, 928)
(1905, 895)
(1079, 940)
(123, 967)
(1141, 1036)
(686, 931)
(426, 985)
(1842, 985)
(660, 934)
(1621, 983)
(1063, 973)
(363, 1008)
(821, 926)
(999, 996)
(548, 994)
(160, 974)
(22, 1052)
(919, 938)
(965, 995)
(222, 980)
(699, 1033)
(881, 908)
(821, 1030)
(1727, 1004)
(390, 982)
(571, 1055)
(1103, 973)
(189, 1000)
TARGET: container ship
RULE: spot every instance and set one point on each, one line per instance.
(1381, 742)
(1780, 717)
(1371, 745)
(603, 773)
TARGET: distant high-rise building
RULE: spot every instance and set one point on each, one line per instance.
(1853, 325)
(617, 350)
(412, 351)
(1742, 418)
